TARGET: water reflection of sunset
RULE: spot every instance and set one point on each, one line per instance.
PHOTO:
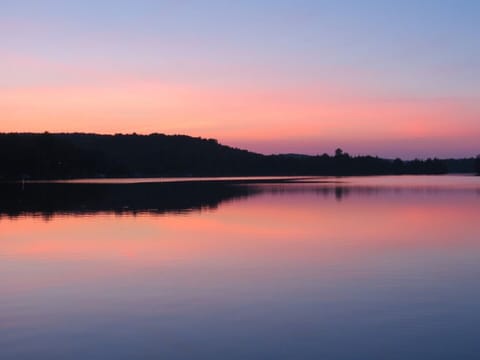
(286, 256)
(301, 224)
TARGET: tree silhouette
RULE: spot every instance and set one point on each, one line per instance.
(77, 155)
(477, 165)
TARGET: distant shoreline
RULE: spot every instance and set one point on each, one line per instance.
(63, 156)
(242, 180)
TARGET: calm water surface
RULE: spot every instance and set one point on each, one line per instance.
(352, 268)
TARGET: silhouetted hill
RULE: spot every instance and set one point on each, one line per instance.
(460, 165)
(63, 156)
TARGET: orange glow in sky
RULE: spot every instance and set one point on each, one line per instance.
(303, 84)
(235, 116)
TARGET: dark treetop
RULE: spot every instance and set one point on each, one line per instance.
(64, 156)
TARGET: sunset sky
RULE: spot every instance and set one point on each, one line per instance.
(390, 78)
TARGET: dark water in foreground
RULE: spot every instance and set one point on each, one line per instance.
(362, 268)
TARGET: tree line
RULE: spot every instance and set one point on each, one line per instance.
(79, 155)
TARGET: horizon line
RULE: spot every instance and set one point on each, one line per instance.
(224, 144)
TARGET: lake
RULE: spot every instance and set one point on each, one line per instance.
(265, 268)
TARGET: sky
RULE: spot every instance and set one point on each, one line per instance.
(388, 78)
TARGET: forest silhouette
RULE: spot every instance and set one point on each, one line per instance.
(79, 155)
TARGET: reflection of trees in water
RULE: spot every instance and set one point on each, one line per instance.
(49, 199)
(62, 198)
(340, 192)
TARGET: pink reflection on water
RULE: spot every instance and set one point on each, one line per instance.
(266, 234)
